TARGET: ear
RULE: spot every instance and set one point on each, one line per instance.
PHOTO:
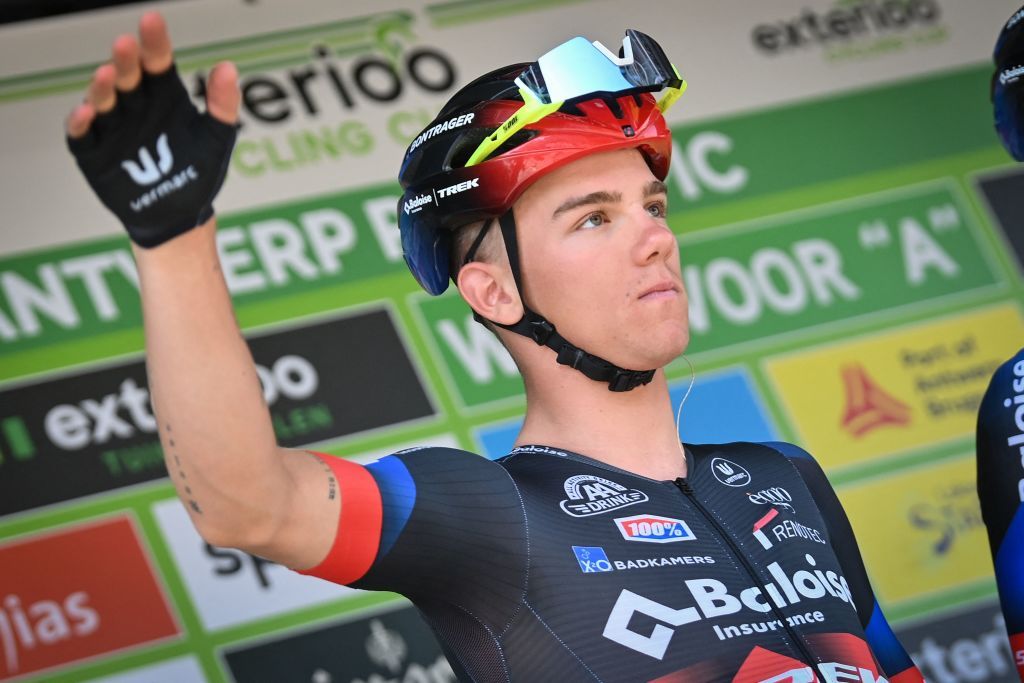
(490, 291)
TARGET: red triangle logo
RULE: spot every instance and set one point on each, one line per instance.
(868, 406)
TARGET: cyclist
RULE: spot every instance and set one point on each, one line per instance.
(600, 548)
(1000, 432)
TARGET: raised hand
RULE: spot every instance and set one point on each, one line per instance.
(151, 157)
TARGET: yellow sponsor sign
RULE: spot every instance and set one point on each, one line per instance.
(920, 531)
(898, 390)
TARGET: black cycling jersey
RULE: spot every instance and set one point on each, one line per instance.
(547, 565)
(1001, 491)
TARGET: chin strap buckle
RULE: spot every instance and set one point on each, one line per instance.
(624, 380)
(541, 330)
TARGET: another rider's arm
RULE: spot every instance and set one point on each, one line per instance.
(240, 488)
(893, 659)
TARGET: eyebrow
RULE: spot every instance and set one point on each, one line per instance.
(602, 197)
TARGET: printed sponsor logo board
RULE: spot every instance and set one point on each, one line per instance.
(920, 530)
(77, 593)
(1002, 193)
(855, 30)
(393, 645)
(230, 587)
(829, 263)
(181, 670)
(97, 431)
(906, 388)
(965, 646)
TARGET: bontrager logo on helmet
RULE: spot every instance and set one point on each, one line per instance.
(450, 124)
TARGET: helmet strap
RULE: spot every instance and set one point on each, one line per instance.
(534, 326)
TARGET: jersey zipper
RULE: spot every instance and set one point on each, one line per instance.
(683, 485)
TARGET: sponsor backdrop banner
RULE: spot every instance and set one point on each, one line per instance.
(851, 244)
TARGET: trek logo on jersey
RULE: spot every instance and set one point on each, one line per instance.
(729, 473)
(590, 495)
(592, 559)
(775, 496)
(654, 529)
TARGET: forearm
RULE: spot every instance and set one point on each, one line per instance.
(215, 428)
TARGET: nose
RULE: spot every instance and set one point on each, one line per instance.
(654, 240)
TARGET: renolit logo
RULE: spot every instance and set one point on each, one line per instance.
(854, 28)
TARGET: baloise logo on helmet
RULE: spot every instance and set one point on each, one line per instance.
(416, 203)
(590, 495)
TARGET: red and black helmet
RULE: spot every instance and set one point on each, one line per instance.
(507, 129)
(441, 193)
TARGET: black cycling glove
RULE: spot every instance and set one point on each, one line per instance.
(1008, 85)
(155, 160)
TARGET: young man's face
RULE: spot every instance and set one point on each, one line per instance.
(600, 262)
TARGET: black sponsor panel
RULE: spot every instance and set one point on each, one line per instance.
(966, 646)
(385, 647)
(91, 432)
(1003, 194)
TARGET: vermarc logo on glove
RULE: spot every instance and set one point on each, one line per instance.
(192, 153)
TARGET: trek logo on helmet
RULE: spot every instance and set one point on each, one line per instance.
(458, 187)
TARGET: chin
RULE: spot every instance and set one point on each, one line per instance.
(660, 348)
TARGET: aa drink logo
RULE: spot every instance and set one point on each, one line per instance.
(852, 29)
(52, 615)
(591, 495)
(98, 430)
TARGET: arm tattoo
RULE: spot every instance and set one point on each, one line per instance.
(172, 449)
(332, 482)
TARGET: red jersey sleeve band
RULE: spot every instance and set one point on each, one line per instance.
(359, 523)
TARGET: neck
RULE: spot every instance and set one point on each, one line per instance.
(633, 430)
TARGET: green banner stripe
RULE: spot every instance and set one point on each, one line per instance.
(341, 33)
(468, 11)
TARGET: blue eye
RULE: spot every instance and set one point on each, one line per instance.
(594, 220)
(657, 209)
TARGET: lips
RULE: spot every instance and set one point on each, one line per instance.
(665, 288)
